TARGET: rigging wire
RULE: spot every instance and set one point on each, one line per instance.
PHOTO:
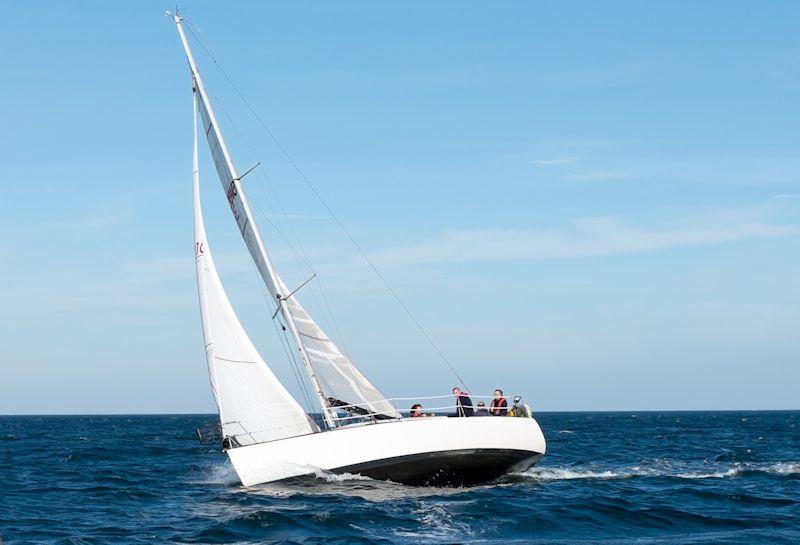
(327, 207)
(287, 349)
(303, 387)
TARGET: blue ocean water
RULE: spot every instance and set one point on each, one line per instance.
(686, 477)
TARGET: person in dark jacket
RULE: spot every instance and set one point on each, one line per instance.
(481, 410)
(499, 405)
(463, 403)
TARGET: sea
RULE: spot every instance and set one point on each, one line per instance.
(623, 477)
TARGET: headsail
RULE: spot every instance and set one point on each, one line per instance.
(254, 407)
(340, 379)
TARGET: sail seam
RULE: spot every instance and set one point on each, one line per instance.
(233, 361)
(315, 338)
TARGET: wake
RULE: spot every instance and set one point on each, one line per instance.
(659, 469)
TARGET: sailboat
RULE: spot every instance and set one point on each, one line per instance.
(266, 433)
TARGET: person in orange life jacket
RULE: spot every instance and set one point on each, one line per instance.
(463, 403)
(499, 405)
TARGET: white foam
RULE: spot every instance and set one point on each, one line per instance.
(731, 472)
(221, 473)
(561, 474)
(339, 477)
(436, 522)
(660, 468)
(783, 468)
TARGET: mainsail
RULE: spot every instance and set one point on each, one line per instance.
(337, 381)
(254, 407)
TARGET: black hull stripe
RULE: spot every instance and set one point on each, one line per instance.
(447, 468)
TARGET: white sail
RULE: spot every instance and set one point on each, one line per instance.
(233, 192)
(334, 376)
(254, 407)
(339, 377)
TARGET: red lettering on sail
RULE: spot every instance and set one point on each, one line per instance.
(231, 193)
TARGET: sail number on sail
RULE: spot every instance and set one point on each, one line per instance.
(231, 193)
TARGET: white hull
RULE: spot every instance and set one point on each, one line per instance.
(434, 450)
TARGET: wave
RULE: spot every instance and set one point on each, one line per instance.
(785, 468)
(731, 472)
(436, 522)
(660, 469)
(775, 468)
(221, 473)
(339, 477)
(562, 474)
(224, 474)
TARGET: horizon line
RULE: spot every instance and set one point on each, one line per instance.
(608, 411)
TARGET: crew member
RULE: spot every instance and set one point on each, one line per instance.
(463, 403)
(499, 405)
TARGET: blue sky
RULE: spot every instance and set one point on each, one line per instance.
(594, 204)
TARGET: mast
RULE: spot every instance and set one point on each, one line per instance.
(256, 245)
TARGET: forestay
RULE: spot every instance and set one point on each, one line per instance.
(254, 407)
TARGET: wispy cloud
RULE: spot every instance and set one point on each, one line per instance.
(600, 175)
(581, 238)
(578, 170)
(557, 161)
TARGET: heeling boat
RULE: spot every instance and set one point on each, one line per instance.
(266, 433)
